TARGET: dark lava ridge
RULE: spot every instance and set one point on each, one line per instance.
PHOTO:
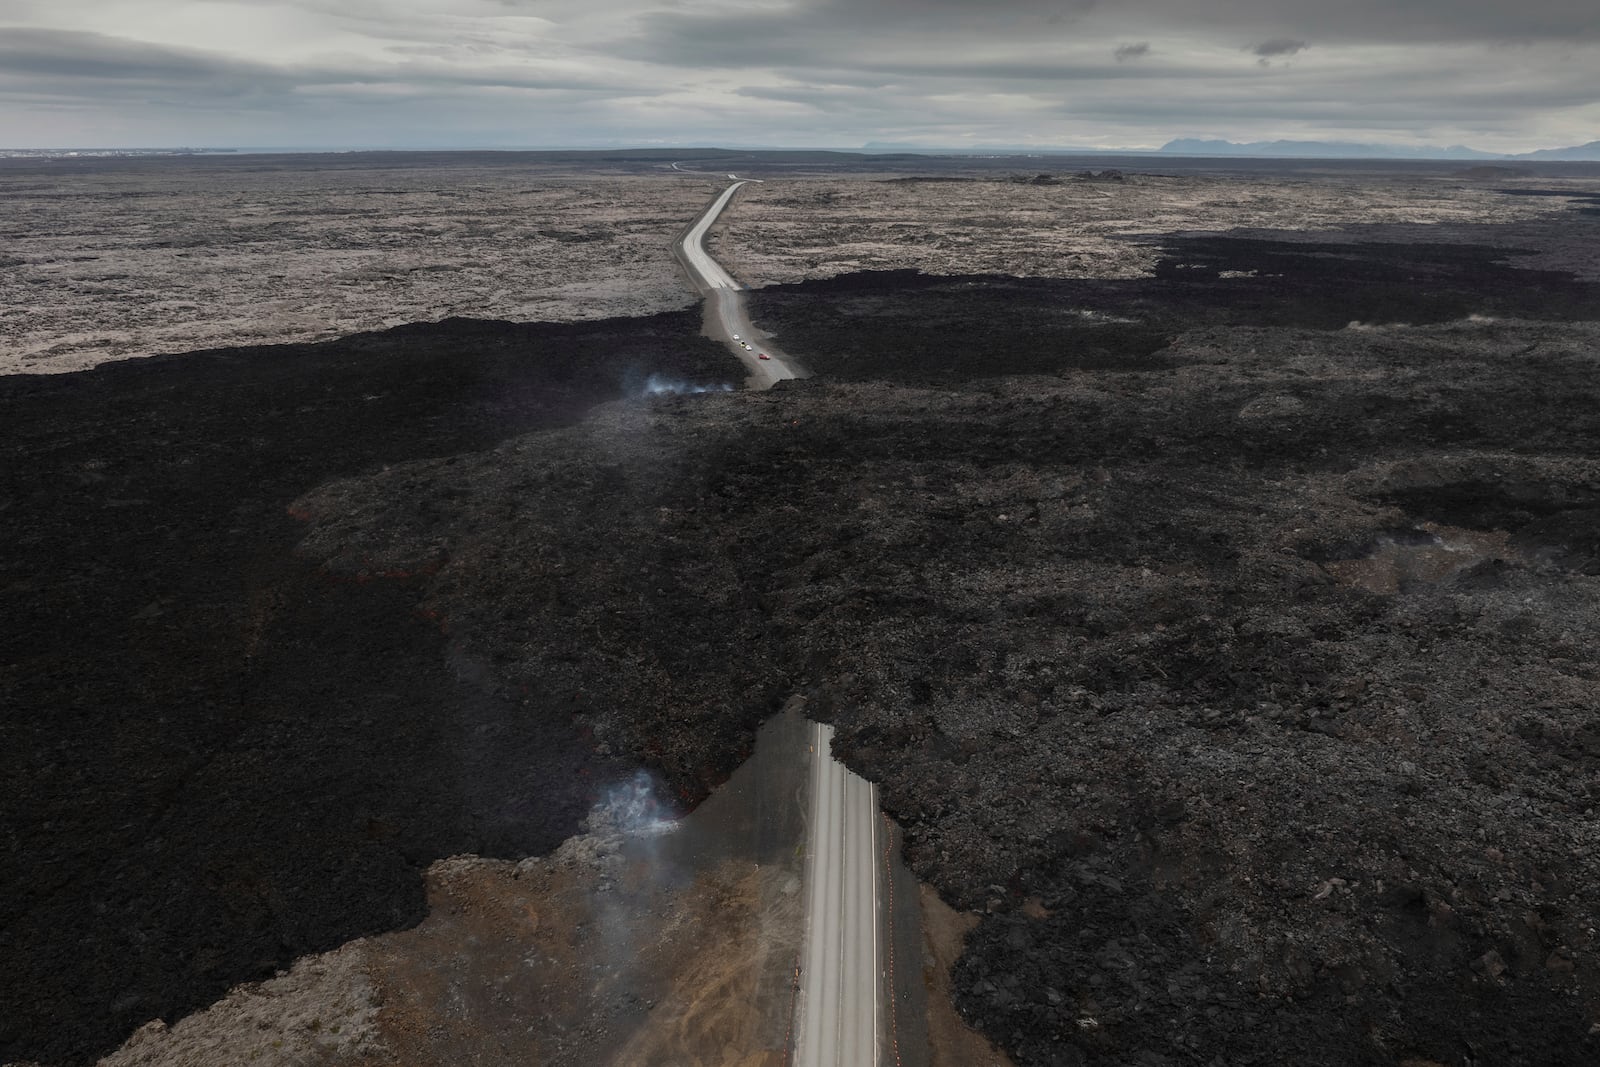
(1584, 203)
(1061, 599)
(924, 328)
(1215, 803)
(213, 757)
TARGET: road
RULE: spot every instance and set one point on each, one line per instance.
(725, 318)
(840, 1013)
(842, 1016)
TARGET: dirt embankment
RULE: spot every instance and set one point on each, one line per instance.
(578, 958)
(654, 938)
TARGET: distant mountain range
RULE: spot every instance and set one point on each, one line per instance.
(1590, 151)
(1189, 146)
(1192, 146)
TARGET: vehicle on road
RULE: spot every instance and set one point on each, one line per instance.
(762, 355)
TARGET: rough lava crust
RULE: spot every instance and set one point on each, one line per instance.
(1089, 631)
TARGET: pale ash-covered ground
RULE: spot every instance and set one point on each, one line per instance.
(107, 266)
(798, 231)
(103, 266)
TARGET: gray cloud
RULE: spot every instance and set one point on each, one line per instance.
(825, 33)
(1279, 46)
(1377, 21)
(812, 71)
(99, 57)
(1017, 21)
(96, 64)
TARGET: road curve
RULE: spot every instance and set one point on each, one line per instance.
(840, 1009)
(726, 319)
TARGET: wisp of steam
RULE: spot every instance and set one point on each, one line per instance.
(658, 385)
(633, 808)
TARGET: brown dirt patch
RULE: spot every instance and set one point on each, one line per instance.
(951, 1041)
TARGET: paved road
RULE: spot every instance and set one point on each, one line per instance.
(840, 1013)
(725, 312)
(840, 1017)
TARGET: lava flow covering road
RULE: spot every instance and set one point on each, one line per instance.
(1132, 608)
(1128, 600)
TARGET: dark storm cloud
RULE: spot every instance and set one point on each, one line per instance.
(83, 64)
(837, 35)
(825, 32)
(831, 33)
(1372, 21)
(1279, 46)
(1003, 72)
(1384, 21)
(828, 71)
(67, 54)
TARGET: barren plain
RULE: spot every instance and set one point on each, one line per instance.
(1203, 565)
(134, 261)
(125, 259)
(1074, 227)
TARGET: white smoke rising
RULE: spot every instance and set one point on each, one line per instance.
(657, 385)
(632, 809)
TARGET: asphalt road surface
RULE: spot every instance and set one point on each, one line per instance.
(725, 311)
(840, 1010)
(840, 1019)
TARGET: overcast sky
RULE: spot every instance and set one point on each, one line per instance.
(1504, 75)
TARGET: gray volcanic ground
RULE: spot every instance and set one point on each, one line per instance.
(116, 259)
(132, 260)
(1213, 608)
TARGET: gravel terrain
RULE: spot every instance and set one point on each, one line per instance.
(1217, 631)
